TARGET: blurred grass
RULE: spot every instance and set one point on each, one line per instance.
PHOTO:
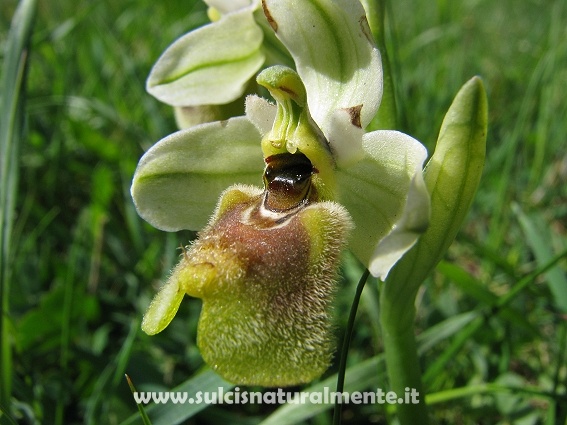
(85, 266)
(12, 133)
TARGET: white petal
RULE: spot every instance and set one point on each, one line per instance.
(261, 113)
(228, 6)
(414, 221)
(376, 191)
(345, 138)
(332, 46)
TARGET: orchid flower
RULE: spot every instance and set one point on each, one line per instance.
(265, 264)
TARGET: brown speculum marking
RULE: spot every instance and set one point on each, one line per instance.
(287, 180)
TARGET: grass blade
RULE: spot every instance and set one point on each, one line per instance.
(362, 376)
(539, 242)
(358, 377)
(11, 130)
(143, 414)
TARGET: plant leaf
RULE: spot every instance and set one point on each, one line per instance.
(452, 176)
(176, 413)
(538, 237)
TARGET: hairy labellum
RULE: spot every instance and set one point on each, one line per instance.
(266, 269)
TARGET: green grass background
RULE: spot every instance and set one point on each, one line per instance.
(83, 266)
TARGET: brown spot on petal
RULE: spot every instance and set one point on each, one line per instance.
(269, 16)
(354, 113)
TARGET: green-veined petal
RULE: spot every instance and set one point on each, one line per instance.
(179, 180)
(334, 53)
(384, 192)
(210, 65)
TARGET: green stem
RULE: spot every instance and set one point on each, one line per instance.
(451, 177)
(397, 315)
(387, 116)
(346, 344)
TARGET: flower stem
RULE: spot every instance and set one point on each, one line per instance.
(346, 343)
(387, 117)
(397, 314)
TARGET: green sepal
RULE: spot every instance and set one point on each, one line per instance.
(334, 54)
(179, 180)
(210, 65)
